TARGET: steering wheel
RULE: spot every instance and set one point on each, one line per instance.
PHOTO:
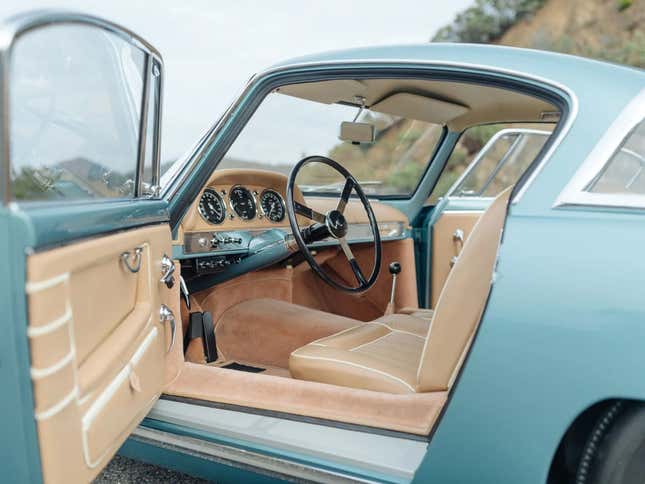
(332, 224)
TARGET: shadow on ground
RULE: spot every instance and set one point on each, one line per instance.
(124, 471)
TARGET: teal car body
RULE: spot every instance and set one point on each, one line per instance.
(563, 327)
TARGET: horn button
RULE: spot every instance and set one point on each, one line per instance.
(336, 224)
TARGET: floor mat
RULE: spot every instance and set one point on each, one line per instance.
(241, 367)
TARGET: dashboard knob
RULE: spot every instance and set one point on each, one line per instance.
(202, 241)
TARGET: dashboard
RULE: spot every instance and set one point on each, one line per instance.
(240, 219)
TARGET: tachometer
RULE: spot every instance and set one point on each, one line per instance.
(242, 203)
(272, 205)
(211, 207)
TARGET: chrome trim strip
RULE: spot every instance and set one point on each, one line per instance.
(10, 30)
(240, 458)
(143, 126)
(393, 458)
(156, 149)
(200, 149)
(574, 192)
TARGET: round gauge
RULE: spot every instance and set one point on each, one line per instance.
(242, 203)
(272, 205)
(211, 207)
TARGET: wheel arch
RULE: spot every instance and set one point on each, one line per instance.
(568, 453)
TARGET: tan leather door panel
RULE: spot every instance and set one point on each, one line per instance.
(445, 246)
(97, 346)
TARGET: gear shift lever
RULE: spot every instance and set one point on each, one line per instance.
(395, 269)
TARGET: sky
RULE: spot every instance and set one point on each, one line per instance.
(212, 48)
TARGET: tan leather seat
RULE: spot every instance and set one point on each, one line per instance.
(402, 353)
(382, 355)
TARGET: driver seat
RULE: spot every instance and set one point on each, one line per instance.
(401, 353)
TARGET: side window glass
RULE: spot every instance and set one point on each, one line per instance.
(498, 153)
(624, 172)
(75, 103)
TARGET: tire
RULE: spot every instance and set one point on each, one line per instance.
(615, 450)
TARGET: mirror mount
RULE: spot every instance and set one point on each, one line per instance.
(355, 132)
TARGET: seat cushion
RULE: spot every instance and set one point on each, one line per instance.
(417, 312)
(382, 355)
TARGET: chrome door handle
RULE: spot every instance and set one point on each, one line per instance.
(167, 271)
(167, 316)
(136, 264)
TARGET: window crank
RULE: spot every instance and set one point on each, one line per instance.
(167, 271)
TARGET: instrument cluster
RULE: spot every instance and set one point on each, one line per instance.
(240, 202)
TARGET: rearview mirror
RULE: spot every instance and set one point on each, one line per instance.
(356, 133)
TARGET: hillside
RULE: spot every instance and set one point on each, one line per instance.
(603, 29)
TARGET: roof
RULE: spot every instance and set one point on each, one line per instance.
(573, 71)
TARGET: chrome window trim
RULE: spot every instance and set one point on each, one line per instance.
(14, 27)
(574, 193)
(185, 168)
(450, 193)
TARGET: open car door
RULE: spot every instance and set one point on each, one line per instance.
(80, 159)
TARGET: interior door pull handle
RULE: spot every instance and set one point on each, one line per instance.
(136, 262)
(458, 238)
(167, 316)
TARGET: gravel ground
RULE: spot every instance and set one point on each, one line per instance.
(125, 471)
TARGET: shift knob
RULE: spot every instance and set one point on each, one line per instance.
(395, 268)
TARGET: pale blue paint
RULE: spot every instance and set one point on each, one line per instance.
(564, 326)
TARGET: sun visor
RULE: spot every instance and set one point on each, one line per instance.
(421, 108)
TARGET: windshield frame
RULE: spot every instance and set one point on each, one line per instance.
(193, 172)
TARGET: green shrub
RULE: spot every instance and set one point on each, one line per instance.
(624, 4)
(486, 21)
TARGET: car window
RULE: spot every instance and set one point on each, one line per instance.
(285, 129)
(624, 172)
(75, 103)
(498, 153)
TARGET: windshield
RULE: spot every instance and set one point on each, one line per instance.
(286, 129)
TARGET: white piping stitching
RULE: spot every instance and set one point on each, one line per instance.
(34, 331)
(339, 333)
(400, 330)
(370, 342)
(37, 373)
(104, 398)
(32, 287)
(407, 385)
(53, 410)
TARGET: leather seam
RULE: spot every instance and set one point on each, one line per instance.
(400, 330)
(356, 365)
(371, 342)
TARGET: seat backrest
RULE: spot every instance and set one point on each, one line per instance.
(462, 300)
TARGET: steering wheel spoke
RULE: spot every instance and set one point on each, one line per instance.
(310, 213)
(353, 263)
(344, 196)
(333, 226)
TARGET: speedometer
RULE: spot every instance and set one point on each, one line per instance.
(272, 205)
(211, 207)
(242, 203)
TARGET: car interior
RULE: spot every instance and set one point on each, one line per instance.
(331, 328)
(286, 339)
